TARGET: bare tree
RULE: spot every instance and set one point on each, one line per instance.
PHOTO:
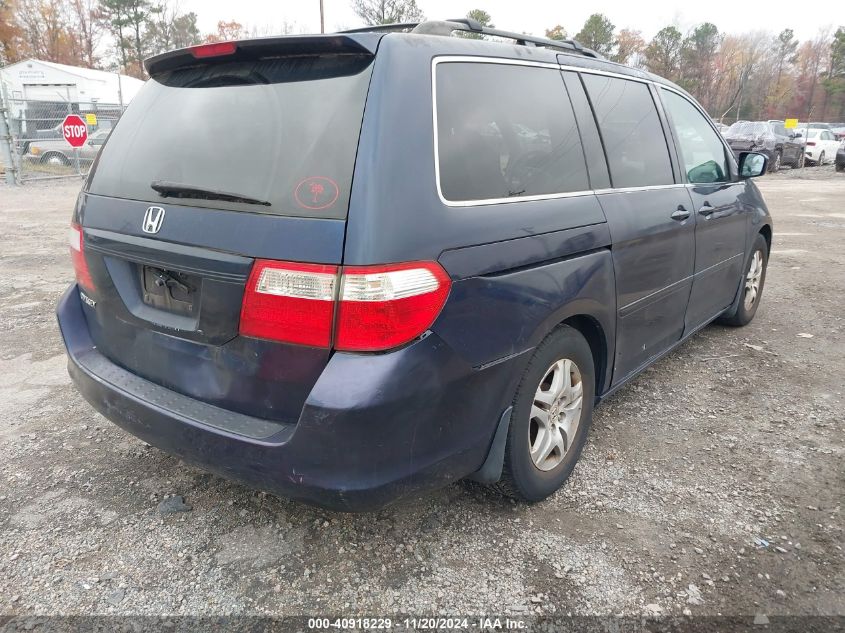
(387, 11)
(629, 47)
(89, 28)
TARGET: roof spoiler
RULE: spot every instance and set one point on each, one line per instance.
(259, 48)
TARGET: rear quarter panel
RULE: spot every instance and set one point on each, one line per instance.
(518, 268)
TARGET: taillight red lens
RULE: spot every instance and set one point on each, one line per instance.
(811, 143)
(379, 307)
(77, 256)
(385, 306)
(217, 49)
(290, 302)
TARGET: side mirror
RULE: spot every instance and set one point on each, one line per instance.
(752, 164)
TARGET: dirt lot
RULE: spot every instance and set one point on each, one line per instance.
(713, 483)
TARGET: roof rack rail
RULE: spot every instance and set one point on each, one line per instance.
(387, 28)
(468, 25)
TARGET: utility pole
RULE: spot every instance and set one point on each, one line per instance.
(322, 18)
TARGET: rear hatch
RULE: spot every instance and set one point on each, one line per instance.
(229, 154)
(746, 135)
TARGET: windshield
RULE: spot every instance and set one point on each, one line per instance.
(741, 128)
(283, 130)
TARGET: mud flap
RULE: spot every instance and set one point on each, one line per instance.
(491, 471)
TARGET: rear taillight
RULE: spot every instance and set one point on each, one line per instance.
(290, 302)
(378, 307)
(811, 143)
(77, 256)
(386, 306)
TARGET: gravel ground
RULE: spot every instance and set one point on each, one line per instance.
(712, 484)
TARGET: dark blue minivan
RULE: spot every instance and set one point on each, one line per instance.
(353, 267)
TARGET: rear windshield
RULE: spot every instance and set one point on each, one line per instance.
(272, 136)
(745, 127)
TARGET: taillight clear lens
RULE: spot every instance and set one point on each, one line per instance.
(77, 256)
(289, 302)
(386, 306)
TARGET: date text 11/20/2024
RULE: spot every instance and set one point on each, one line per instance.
(418, 623)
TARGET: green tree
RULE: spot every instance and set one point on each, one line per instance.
(834, 82)
(597, 34)
(168, 29)
(697, 64)
(556, 33)
(786, 50)
(127, 19)
(185, 30)
(375, 12)
(482, 17)
(663, 54)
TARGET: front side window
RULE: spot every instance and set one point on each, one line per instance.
(630, 127)
(701, 149)
(505, 131)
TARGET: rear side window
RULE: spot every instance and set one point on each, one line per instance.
(280, 132)
(702, 151)
(505, 131)
(633, 137)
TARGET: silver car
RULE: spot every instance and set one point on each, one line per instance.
(56, 151)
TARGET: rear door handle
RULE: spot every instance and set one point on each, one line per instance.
(706, 209)
(680, 214)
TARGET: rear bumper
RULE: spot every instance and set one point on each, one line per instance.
(375, 428)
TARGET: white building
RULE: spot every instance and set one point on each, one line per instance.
(35, 80)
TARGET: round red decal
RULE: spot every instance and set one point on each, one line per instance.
(316, 192)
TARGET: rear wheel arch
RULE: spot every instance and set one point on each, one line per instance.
(591, 329)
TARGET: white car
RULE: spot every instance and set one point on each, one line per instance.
(821, 146)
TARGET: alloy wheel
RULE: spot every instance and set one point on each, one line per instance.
(555, 414)
(753, 278)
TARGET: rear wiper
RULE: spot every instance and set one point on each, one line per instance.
(176, 190)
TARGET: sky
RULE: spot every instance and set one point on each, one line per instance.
(534, 16)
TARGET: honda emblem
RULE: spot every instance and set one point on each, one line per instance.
(153, 219)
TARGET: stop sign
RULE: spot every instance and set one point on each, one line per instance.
(74, 130)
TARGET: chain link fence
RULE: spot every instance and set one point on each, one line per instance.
(32, 146)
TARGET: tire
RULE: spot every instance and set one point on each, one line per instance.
(54, 158)
(522, 477)
(746, 309)
(840, 168)
(821, 159)
(775, 165)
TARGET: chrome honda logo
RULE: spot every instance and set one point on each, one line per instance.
(153, 219)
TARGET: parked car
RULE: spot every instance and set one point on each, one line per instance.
(58, 152)
(840, 157)
(820, 145)
(349, 305)
(839, 132)
(770, 138)
(24, 140)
